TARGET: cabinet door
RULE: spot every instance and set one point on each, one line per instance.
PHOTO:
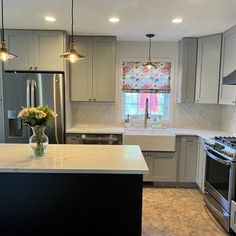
(20, 42)
(208, 69)
(201, 159)
(149, 160)
(187, 70)
(188, 159)
(228, 65)
(164, 166)
(104, 66)
(81, 72)
(48, 47)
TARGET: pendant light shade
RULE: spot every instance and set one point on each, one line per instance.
(5, 54)
(72, 55)
(149, 63)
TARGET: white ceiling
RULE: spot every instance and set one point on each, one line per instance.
(137, 17)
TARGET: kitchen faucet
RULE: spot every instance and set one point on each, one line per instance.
(146, 116)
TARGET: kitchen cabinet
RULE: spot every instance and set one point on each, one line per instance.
(201, 165)
(36, 50)
(228, 65)
(208, 69)
(93, 79)
(187, 70)
(187, 159)
(162, 166)
(233, 216)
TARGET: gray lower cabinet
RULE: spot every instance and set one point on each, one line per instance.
(233, 216)
(201, 165)
(162, 166)
(187, 158)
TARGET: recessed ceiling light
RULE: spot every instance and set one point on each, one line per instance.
(114, 20)
(177, 20)
(50, 18)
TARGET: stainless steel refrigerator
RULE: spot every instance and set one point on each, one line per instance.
(32, 89)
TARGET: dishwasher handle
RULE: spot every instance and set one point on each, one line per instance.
(99, 139)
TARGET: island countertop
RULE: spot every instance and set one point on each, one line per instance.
(111, 159)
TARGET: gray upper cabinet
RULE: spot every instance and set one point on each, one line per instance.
(81, 72)
(20, 42)
(93, 79)
(187, 70)
(104, 67)
(228, 65)
(36, 50)
(208, 69)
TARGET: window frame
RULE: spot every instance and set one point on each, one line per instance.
(120, 100)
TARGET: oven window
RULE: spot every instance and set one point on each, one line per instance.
(217, 175)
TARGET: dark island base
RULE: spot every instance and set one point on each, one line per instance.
(70, 204)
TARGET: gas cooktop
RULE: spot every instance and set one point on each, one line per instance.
(225, 146)
(229, 141)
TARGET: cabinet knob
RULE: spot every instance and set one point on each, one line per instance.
(94, 99)
(31, 68)
(35, 68)
(90, 99)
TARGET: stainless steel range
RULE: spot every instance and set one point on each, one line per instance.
(220, 177)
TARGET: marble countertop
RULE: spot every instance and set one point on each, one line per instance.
(113, 159)
(96, 129)
(203, 133)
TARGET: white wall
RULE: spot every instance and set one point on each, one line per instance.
(183, 115)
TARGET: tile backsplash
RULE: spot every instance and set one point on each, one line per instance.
(228, 118)
(184, 115)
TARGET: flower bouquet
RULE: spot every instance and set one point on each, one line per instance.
(37, 118)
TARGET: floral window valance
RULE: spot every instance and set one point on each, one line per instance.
(138, 78)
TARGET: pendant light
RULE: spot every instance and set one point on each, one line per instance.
(72, 55)
(149, 63)
(5, 54)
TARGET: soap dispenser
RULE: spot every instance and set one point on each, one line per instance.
(127, 123)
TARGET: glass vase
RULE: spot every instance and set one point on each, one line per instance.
(38, 141)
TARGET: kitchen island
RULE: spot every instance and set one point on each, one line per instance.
(74, 190)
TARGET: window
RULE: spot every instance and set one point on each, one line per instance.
(139, 84)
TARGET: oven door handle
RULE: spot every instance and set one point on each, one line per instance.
(227, 163)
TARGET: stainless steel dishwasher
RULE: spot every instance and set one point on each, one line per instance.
(90, 138)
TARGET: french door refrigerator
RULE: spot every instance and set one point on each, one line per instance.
(32, 89)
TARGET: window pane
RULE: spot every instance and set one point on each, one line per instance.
(158, 104)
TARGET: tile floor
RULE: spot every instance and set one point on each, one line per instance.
(177, 212)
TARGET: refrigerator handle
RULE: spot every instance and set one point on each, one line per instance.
(33, 95)
(55, 107)
(28, 85)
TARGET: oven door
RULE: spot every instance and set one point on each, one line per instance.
(220, 178)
